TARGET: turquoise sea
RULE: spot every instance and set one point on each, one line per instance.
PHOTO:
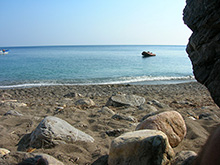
(85, 65)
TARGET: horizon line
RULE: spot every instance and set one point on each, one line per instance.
(95, 45)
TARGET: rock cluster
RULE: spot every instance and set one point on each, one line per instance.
(151, 140)
(203, 18)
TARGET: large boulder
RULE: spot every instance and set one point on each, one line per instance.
(50, 132)
(169, 122)
(203, 18)
(125, 100)
(141, 147)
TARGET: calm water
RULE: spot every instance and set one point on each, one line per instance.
(55, 65)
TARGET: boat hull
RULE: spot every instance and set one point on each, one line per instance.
(147, 54)
(5, 52)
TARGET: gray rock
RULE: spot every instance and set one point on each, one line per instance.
(123, 117)
(103, 160)
(205, 115)
(141, 147)
(39, 159)
(115, 132)
(203, 48)
(12, 103)
(158, 104)
(73, 95)
(184, 158)
(183, 102)
(148, 108)
(125, 100)
(85, 103)
(13, 113)
(50, 132)
(106, 111)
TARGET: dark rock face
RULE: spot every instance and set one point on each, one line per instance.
(203, 18)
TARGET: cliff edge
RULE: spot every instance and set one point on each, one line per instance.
(203, 18)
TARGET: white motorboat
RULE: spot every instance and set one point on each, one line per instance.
(4, 51)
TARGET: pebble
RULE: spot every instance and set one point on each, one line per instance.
(3, 152)
(106, 110)
(115, 132)
(123, 117)
(205, 115)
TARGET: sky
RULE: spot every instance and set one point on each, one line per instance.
(92, 22)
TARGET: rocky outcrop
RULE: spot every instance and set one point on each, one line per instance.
(203, 18)
(169, 122)
(141, 147)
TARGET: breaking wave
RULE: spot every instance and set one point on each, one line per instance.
(100, 81)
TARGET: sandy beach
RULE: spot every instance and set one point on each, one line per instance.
(191, 100)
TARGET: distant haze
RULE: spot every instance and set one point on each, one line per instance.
(92, 22)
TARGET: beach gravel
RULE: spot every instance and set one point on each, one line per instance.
(191, 100)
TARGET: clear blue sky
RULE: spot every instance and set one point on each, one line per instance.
(92, 22)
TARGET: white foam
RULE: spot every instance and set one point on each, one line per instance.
(28, 85)
(124, 80)
(121, 80)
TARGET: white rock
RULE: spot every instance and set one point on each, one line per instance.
(3, 152)
(140, 147)
(52, 131)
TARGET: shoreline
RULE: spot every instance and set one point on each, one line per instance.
(147, 82)
(190, 99)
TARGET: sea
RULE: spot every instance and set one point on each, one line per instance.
(33, 66)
